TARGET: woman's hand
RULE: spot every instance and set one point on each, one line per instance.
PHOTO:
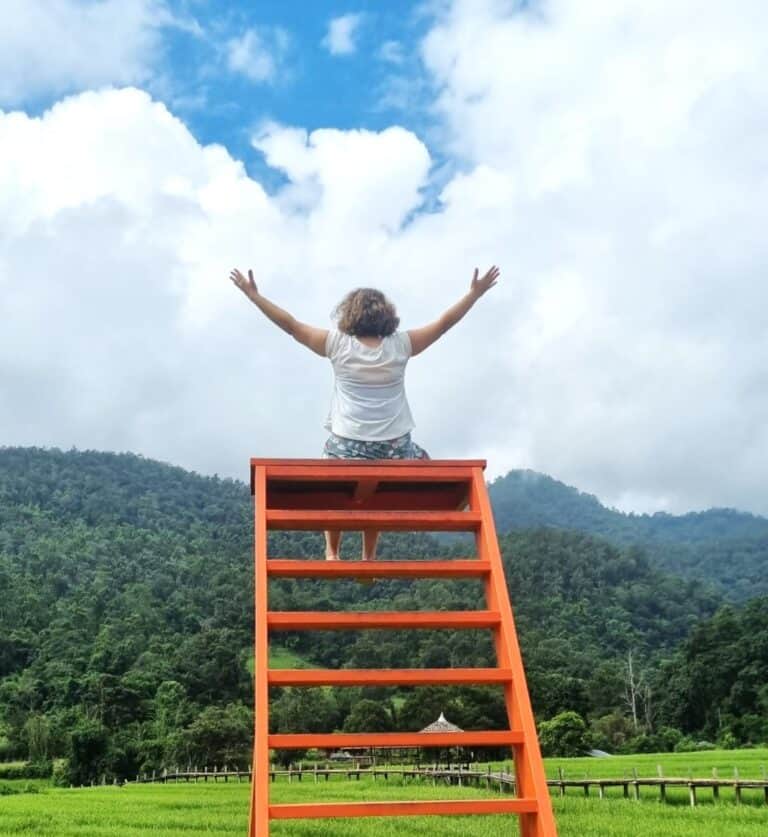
(480, 286)
(247, 286)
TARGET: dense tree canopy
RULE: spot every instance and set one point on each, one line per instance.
(724, 547)
(126, 625)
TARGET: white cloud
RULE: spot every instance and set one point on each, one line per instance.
(258, 53)
(113, 278)
(617, 177)
(341, 36)
(55, 46)
(614, 160)
(392, 52)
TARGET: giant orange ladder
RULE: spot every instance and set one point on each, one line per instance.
(394, 495)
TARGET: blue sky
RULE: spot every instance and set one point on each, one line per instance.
(311, 87)
(611, 158)
(378, 82)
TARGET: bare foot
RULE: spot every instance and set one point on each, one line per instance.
(332, 558)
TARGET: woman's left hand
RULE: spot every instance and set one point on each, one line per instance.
(247, 286)
(480, 286)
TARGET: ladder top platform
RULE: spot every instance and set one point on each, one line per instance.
(366, 484)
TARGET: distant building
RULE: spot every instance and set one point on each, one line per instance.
(441, 725)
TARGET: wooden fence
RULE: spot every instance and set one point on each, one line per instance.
(474, 775)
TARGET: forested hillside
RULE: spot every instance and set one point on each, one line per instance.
(724, 547)
(719, 678)
(126, 620)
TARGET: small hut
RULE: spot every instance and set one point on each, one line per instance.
(442, 724)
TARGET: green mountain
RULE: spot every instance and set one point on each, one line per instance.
(126, 618)
(724, 547)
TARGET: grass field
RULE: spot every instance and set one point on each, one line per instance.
(222, 809)
(751, 764)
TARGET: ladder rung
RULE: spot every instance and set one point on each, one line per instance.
(314, 810)
(407, 521)
(286, 568)
(394, 677)
(390, 471)
(301, 620)
(337, 741)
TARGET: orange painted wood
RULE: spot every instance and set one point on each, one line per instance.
(457, 568)
(529, 767)
(259, 815)
(313, 469)
(303, 620)
(393, 677)
(390, 521)
(427, 496)
(293, 811)
(340, 740)
(395, 495)
(390, 471)
(418, 466)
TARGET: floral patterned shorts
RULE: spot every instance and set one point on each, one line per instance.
(337, 447)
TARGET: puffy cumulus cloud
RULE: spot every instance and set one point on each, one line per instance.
(98, 347)
(121, 330)
(56, 46)
(351, 182)
(258, 53)
(340, 39)
(614, 159)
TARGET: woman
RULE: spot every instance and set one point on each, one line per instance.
(369, 416)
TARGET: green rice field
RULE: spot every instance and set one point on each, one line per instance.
(186, 810)
(752, 764)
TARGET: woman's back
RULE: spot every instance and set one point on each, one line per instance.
(369, 401)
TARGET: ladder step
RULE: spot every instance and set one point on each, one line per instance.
(314, 810)
(286, 568)
(338, 469)
(407, 521)
(394, 677)
(340, 740)
(300, 620)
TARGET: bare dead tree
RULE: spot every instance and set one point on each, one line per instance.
(648, 706)
(632, 688)
(638, 695)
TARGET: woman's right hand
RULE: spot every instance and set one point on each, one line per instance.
(247, 286)
(480, 286)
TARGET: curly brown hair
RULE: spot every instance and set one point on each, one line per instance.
(366, 312)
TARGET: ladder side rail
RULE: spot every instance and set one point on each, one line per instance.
(529, 767)
(259, 817)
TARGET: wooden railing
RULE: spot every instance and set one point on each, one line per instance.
(491, 778)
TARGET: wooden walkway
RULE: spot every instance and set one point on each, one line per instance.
(491, 779)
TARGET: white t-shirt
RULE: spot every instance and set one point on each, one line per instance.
(369, 400)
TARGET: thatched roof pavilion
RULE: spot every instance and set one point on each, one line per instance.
(442, 725)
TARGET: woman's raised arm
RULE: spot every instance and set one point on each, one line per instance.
(423, 338)
(312, 338)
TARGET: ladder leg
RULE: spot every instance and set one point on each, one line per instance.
(259, 818)
(529, 768)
